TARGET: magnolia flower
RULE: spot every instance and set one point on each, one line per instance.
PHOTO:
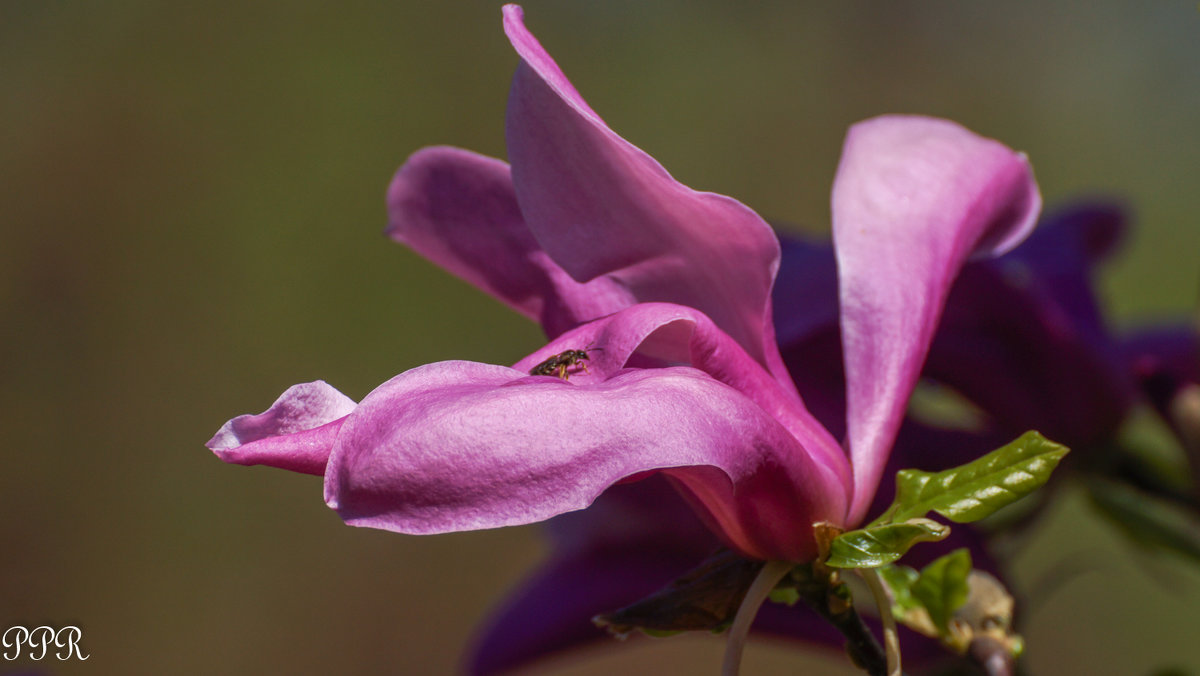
(668, 293)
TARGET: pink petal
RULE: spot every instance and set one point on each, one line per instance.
(914, 197)
(462, 446)
(458, 209)
(658, 334)
(601, 206)
(296, 433)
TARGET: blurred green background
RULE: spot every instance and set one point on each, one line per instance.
(191, 208)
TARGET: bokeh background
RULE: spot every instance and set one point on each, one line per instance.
(191, 208)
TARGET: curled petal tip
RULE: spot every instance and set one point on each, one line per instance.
(301, 407)
(295, 433)
(905, 163)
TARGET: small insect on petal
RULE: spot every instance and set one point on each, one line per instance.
(561, 364)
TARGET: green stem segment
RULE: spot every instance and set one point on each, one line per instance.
(759, 590)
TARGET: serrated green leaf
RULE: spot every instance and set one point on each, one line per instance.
(875, 546)
(1147, 520)
(972, 491)
(942, 587)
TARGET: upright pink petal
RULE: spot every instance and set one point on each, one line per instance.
(601, 206)
(914, 197)
(458, 209)
(296, 433)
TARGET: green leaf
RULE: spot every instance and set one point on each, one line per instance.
(875, 546)
(942, 587)
(788, 596)
(906, 608)
(1147, 520)
(900, 580)
(972, 491)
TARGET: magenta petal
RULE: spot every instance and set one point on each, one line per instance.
(649, 512)
(601, 206)
(463, 446)
(458, 209)
(296, 433)
(663, 333)
(914, 197)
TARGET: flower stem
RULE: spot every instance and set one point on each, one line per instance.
(823, 591)
(768, 577)
(891, 640)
